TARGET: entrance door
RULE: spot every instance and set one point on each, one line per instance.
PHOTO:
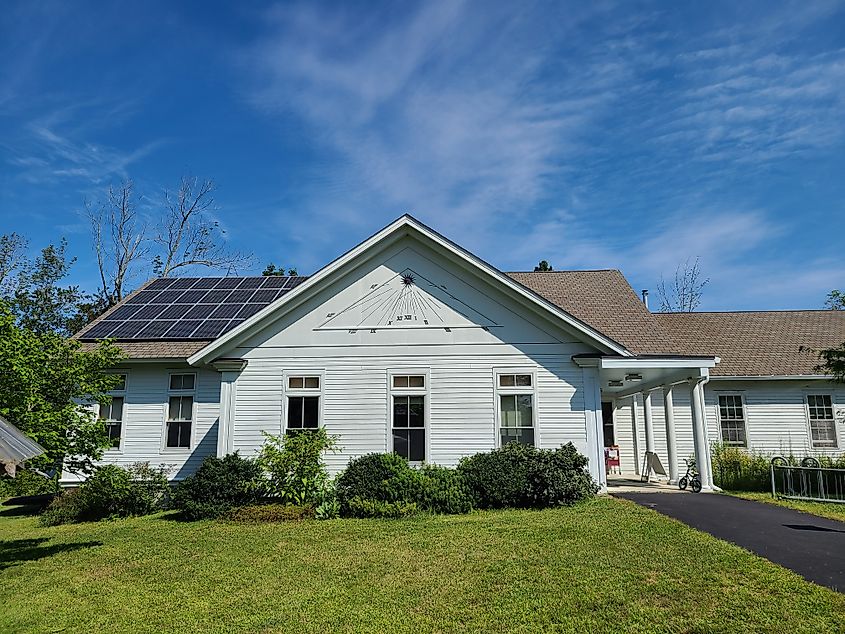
(607, 423)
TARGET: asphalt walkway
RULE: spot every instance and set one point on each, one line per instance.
(812, 546)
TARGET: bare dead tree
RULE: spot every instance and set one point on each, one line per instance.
(684, 293)
(119, 239)
(189, 235)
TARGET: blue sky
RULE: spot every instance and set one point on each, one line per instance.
(595, 135)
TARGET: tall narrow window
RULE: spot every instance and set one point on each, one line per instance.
(303, 403)
(822, 420)
(112, 413)
(516, 408)
(180, 411)
(732, 419)
(408, 401)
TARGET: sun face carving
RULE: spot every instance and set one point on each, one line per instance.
(407, 279)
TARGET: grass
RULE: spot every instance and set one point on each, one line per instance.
(604, 565)
(830, 510)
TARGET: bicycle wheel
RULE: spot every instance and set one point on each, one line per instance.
(682, 483)
(695, 485)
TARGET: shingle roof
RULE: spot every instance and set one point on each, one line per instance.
(763, 343)
(604, 300)
(162, 349)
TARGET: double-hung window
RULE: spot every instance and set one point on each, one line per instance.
(303, 402)
(180, 411)
(822, 420)
(112, 413)
(732, 419)
(516, 407)
(408, 403)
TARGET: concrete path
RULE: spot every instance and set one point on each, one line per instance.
(812, 546)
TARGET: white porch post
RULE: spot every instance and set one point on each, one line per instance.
(700, 436)
(595, 428)
(671, 437)
(649, 430)
(707, 435)
(229, 370)
(635, 433)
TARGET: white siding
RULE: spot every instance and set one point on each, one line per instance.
(144, 412)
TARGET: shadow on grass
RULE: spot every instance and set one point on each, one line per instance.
(16, 551)
(21, 511)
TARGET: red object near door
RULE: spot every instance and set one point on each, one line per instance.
(611, 459)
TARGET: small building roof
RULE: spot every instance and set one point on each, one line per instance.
(15, 446)
(757, 343)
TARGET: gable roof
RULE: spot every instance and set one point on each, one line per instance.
(406, 225)
(757, 343)
(606, 301)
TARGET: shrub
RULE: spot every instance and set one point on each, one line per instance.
(387, 477)
(219, 485)
(110, 492)
(294, 465)
(25, 483)
(260, 513)
(522, 476)
(66, 508)
(368, 508)
(736, 470)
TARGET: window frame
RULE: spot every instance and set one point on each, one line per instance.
(287, 392)
(425, 392)
(121, 393)
(170, 393)
(741, 396)
(499, 391)
(807, 394)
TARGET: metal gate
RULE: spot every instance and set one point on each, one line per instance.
(807, 482)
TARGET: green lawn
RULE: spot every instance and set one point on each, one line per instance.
(831, 510)
(605, 565)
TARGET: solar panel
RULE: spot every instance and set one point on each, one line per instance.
(200, 311)
(226, 311)
(175, 311)
(274, 281)
(184, 282)
(251, 282)
(124, 312)
(191, 308)
(229, 282)
(160, 284)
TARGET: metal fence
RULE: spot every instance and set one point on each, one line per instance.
(809, 481)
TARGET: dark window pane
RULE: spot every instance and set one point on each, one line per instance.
(506, 380)
(416, 444)
(416, 381)
(523, 435)
(400, 442)
(179, 434)
(416, 411)
(311, 416)
(400, 411)
(312, 382)
(295, 407)
(523, 380)
(115, 408)
(400, 381)
(122, 384)
(113, 430)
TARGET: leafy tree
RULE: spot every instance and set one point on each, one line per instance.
(835, 300)
(684, 293)
(271, 270)
(543, 266)
(43, 379)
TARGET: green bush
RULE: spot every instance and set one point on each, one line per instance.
(296, 473)
(218, 486)
(67, 507)
(110, 492)
(261, 513)
(522, 476)
(387, 477)
(367, 508)
(737, 469)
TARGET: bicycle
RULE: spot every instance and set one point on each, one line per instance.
(691, 478)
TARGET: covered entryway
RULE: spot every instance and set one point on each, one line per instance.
(631, 381)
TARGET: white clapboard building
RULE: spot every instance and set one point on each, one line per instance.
(409, 343)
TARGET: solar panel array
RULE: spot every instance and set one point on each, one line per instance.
(190, 307)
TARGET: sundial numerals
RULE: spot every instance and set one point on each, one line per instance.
(406, 318)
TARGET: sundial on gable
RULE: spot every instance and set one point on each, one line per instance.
(406, 300)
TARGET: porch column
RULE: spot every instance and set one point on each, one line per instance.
(699, 435)
(649, 422)
(230, 370)
(671, 437)
(635, 433)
